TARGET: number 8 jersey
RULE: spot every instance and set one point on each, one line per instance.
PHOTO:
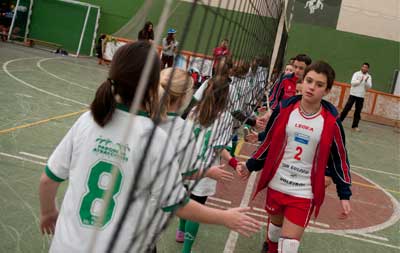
(86, 157)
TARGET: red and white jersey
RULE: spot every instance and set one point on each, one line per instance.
(293, 176)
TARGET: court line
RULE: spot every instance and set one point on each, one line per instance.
(41, 121)
(377, 171)
(371, 241)
(22, 158)
(230, 244)
(373, 186)
(33, 155)
(5, 65)
(80, 65)
(216, 205)
(220, 200)
(375, 237)
(39, 65)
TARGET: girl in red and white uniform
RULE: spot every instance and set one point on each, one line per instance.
(304, 141)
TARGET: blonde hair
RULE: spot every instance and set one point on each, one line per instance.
(179, 91)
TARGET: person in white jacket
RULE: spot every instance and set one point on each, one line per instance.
(360, 82)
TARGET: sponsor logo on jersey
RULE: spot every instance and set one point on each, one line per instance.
(106, 147)
(305, 127)
(301, 138)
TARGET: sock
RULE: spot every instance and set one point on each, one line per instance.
(191, 230)
(182, 224)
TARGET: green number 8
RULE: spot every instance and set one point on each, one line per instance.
(96, 192)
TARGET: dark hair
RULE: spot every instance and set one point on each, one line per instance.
(147, 25)
(303, 58)
(214, 102)
(145, 34)
(123, 78)
(322, 67)
(366, 63)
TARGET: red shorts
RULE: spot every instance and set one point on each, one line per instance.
(297, 210)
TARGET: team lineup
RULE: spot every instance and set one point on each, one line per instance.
(172, 168)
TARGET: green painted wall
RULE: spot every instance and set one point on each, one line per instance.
(346, 52)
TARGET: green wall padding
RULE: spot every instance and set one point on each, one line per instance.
(346, 52)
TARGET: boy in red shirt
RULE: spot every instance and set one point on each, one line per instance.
(304, 141)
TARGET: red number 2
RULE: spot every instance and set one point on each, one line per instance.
(299, 151)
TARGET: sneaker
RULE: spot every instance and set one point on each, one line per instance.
(264, 248)
(180, 236)
(356, 129)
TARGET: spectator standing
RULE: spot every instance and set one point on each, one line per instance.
(147, 32)
(169, 48)
(360, 82)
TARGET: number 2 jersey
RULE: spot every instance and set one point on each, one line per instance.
(330, 156)
(86, 157)
(293, 176)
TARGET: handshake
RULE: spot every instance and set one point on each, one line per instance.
(243, 171)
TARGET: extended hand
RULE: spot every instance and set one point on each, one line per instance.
(242, 170)
(218, 173)
(236, 219)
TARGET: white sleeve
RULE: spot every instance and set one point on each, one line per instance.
(188, 150)
(198, 95)
(164, 44)
(58, 165)
(368, 83)
(222, 132)
(356, 79)
(167, 189)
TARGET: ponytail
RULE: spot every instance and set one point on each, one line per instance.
(103, 105)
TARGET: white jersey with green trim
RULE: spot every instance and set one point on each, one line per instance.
(209, 140)
(86, 156)
(181, 136)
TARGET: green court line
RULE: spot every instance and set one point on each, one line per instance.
(5, 131)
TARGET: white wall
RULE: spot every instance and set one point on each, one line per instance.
(376, 18)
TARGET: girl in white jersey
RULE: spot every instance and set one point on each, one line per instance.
(213, 133)
(303, 142)
(98, 160)
(177, 88)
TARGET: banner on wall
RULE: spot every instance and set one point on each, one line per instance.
(317, 12)
(183, 61)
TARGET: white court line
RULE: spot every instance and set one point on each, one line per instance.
(39, 65)
(64, 104)
(257, 215)
(216, 205)
(259, 209)
(371, 241)
(233, 236)
(81, 65)
(375, 237)
(34, 87)
(22, 158)
(34, 156)
(377, 171)
(221, 200)
(320, 224)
